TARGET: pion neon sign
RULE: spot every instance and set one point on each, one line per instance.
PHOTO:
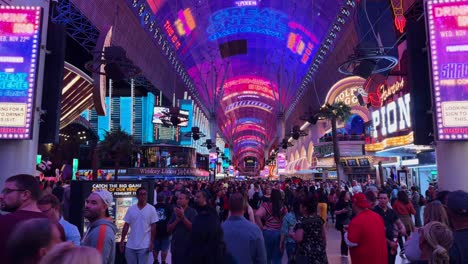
(393, 117)
(247, 19)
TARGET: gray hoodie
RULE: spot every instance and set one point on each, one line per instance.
(103, 241)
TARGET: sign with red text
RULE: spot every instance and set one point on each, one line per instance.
(447, 25)
(20, 40)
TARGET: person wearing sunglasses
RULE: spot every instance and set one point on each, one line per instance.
(19, 196)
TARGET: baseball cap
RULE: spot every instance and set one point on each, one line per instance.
(106, 197)
(360, 200)
(457, 202)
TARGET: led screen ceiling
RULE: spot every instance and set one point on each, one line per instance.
(247, 59)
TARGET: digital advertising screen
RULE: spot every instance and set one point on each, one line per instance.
(160, 112)
(281, 162)
(20, 28)
(447, 23)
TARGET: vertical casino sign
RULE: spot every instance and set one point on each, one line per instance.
(19, 45)
(447, 24)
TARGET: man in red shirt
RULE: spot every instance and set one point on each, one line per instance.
(366, 234)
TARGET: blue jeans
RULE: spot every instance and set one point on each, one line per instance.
(137, 256)
(272, 246)
(290, 250)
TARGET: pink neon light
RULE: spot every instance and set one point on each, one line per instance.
(295, 25)
(155, 5)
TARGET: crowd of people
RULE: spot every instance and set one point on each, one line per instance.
(227, 221)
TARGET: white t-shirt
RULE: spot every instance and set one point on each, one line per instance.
(140, 225)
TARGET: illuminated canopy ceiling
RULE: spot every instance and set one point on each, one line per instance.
(248, 60)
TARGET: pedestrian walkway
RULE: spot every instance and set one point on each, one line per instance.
(333, 249)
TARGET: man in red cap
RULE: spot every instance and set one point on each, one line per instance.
(366, 234)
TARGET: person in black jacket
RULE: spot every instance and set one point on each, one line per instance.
(162, 238)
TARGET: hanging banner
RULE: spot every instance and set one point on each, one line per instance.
(20, 41)
(447, 23)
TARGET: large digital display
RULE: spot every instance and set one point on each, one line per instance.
(20, 41)
(160, 112)
(448, 31)
(247, 19)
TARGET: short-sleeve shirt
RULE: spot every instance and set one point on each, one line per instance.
(367, 230)
(140, 221)
(181, 235)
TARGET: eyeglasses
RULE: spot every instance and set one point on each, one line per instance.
(7, 191)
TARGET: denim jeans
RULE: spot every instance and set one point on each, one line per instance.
(290, 250)
(137, 256)
(272, 246)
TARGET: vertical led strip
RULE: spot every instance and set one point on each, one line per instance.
(20, 27)
(447, 22)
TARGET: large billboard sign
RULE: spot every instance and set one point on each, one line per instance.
(448, 35)
(20, 41)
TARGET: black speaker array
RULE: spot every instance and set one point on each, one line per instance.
(53, 82)
(231, 48)
(420, 86)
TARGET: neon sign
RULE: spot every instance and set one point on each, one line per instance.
(249, 85)
(171, 33)
(255, 138)
(246, 3)
(298, 44)
(185, 23)
(248, 19)
(20, 27)
(393, 117)
(251, 127)
(448, 33)
(155, 5)
(248, 103)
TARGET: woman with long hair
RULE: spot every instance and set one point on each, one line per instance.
(272, 213)
(343, 213)
(404, 209)
(435, 241)
(206, 241)
(310, 234)
(433, 211)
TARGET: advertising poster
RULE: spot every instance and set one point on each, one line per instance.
(447, 23)
(123, 192)
(19, 45)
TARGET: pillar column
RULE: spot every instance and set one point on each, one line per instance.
(452, 165)
(213, 132)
